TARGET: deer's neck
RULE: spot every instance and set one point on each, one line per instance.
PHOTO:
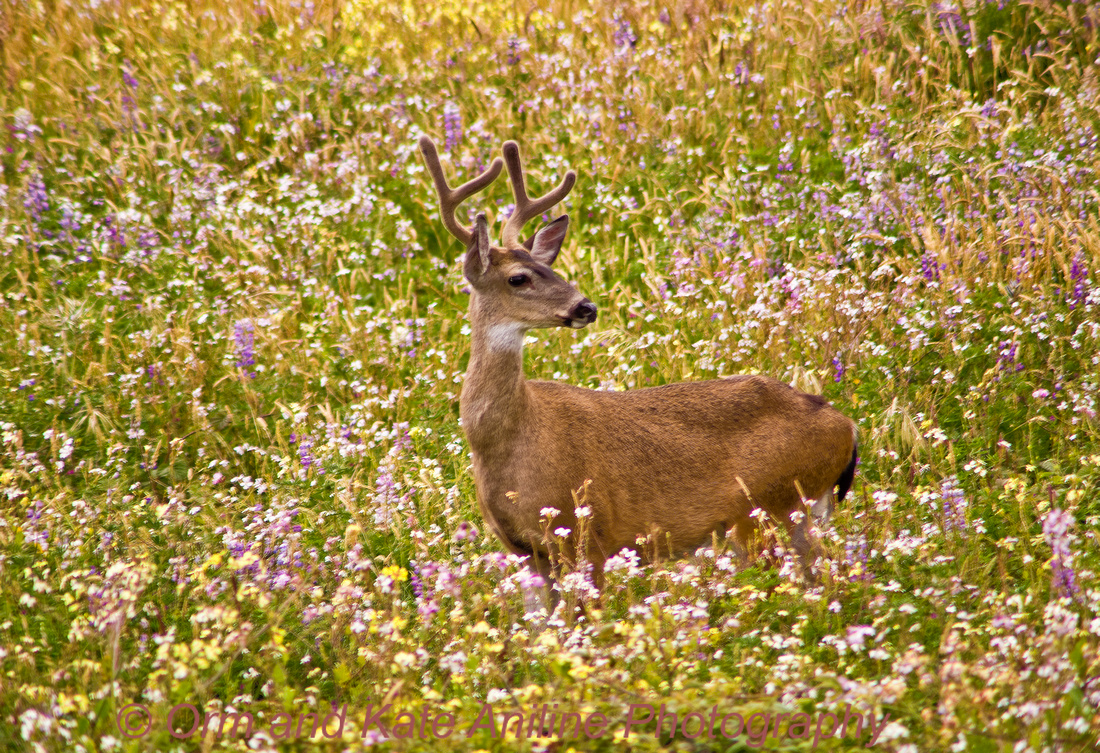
(494, 393)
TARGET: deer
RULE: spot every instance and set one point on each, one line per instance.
(676, 464)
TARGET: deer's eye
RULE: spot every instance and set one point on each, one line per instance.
(517, 280)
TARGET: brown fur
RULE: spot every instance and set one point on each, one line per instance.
(673, 461)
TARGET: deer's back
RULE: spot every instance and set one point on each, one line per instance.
(733, 407)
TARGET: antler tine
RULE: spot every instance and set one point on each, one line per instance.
(525, 208)
(450, 198)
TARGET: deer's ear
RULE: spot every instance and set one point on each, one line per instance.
(477, 255)
(546, 243)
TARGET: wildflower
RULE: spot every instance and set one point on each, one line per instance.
(305, 457)
(1056, 525)
(1059, 620)
(70, 221)
(856, 557)
(858, 634)
(1006, 353)
(883, 500)
(838, 369)
(452, 127)
(421, 578)
(242, 333)
(127, 76)
(128, 103)
(930, 267)
(530, 581)
(624, 37)
(36, 199)
(952, 25)
(741, 73)
(447, 582)
(1079, 277)
(579, 583)
(32, 721)
(954, 505)
(390, 576)
(454, 663)
(465, 531)
(626, 560)
(25, 129)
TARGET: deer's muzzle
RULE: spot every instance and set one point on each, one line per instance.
(583, 314)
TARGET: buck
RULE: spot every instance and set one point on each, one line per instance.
(673, 464)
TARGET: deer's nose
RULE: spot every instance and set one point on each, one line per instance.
(584, 310)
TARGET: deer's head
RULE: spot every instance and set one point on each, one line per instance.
(513, 282)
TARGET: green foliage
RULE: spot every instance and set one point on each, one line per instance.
(231, 466)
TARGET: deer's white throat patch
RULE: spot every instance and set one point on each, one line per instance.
(506, 337)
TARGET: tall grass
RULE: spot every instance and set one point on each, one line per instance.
(231, 464)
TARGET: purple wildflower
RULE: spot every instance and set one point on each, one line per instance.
(1056, 527)
(69, 221)
(448, 582)
(513, 51)
(452, 127)
(147, 241)
(1079, 277)
(838, 369)
(741, 73)
(1006, 356)
(951, 23)
(304, 454)
(388, 498)
(530, 581)
(36, 199)
(127, 76)
(465, 531)
(242, 332)
(32, 533)
(624, 38)
(954, 505)
(115, 234)
(855, 554)
(930, 267)
(422, 577)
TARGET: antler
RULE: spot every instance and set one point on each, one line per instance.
(526, 209)
(450, 198)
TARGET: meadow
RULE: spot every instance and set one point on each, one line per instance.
(235, 487)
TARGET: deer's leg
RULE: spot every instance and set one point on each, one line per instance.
(822, 509)
(547, 597)
(596, 555)
(740, 536)
(597, 573)
(805, 544)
